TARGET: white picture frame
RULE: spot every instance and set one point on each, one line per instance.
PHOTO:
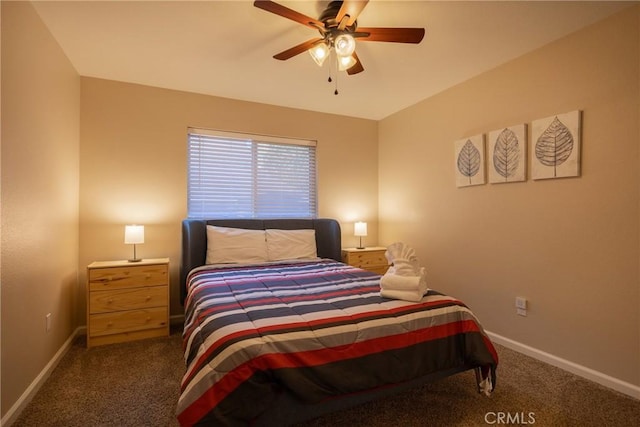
(556, 146)
(507, 154)
(469, 161)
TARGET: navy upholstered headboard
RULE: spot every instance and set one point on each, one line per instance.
(194, 238)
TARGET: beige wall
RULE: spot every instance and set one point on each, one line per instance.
(81, 157)
(571, 246)
(40, 172)
(133, 165)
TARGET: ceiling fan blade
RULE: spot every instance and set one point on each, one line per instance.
(351, 9)
(285, 12)
(298, 49)
(395, 35)
(357, 67)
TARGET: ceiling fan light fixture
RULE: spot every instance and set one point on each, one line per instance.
(345, 45)
(338, 27)
(346, 62)
(319, 53)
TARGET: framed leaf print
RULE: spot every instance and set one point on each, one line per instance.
(507, 154)
(470, 161)
(556, 146)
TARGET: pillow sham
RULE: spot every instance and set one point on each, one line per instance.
(291, 244)
(235, 245)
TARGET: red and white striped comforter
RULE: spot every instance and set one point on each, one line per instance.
(317, 329)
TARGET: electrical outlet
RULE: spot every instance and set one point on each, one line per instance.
(521, 306)
(48, 318)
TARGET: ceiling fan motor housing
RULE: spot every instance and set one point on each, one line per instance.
(328, 17)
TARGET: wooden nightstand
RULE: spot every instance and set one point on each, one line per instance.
(371, 258)
(127, 301)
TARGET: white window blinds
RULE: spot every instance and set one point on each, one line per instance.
(247, 176)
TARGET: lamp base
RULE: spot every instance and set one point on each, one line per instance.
(135, 256)
(360, 247)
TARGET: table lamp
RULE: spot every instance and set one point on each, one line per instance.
(134, 234)
(360, 230)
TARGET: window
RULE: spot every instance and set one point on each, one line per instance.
(247, 176)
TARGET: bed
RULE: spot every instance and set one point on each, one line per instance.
(282, 339)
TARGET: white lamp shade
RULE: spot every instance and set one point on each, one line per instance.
(360, 229)
(346, 62)
(133, 234)
(345, 45)
(319, 53)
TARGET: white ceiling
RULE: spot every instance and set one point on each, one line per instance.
(225, 48)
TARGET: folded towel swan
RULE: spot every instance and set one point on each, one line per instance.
(393, 281)
(404, 280)
(388, 288)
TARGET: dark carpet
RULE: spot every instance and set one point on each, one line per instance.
(137, 384)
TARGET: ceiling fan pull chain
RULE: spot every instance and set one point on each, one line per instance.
(331, 64)
(335, 92)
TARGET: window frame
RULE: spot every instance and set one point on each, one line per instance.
(258, 143)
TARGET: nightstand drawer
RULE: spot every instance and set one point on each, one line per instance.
(127, 321)
(367, 259)
(127, 277)
(128, 299)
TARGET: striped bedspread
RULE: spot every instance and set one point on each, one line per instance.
(315, 329)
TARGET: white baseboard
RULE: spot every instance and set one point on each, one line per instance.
(582, 371)
(14, 412)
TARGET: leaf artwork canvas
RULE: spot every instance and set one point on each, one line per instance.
(507, 154)
(556, 146)
(470, 161)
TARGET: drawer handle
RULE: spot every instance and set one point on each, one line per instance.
(110, 324)
(148, 297)
(110, 301)
(148, 276)
(148, 319)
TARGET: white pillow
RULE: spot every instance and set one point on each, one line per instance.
(235, 245)
(291, 244)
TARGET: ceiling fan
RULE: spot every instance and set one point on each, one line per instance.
(339, 30)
